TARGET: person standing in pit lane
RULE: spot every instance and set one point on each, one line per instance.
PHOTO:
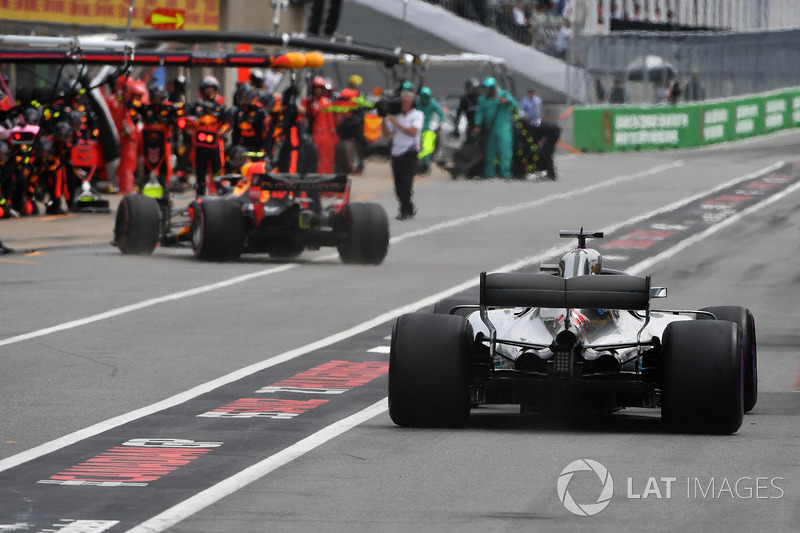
(209, 111)
(495, 115)
(405, 129)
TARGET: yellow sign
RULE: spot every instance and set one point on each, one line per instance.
(196, 14)
(166, 19)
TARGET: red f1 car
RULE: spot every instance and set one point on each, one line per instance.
(260, 212)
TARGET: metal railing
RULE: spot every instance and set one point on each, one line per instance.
(725, 64)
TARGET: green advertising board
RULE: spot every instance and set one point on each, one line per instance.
(619, 128)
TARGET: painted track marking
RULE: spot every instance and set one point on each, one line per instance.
(283, 268)
(215, 493)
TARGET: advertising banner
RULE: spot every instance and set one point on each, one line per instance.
(187, 14)
(620, 128)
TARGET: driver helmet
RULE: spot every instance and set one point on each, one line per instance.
(598, 317)
(238, 156)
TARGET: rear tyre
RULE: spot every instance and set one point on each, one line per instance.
(136, 225)
(429, 371)
(743, 318)
(217, 230)
(367, 227)
(702, 389)
(443, 307)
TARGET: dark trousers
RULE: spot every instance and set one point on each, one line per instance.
(403, 169)
(206, 159)
(551, 133)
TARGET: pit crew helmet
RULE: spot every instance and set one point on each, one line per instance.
(246, 95)
(256, 78)
(62, 131)
(209, 82)
(44, 148)
(158, 94)
(355, 81)
(31, 116)
(179, 84)
(425, 95)
(489, 83)
(319, 81)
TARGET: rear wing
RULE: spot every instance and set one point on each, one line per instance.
(281, 181)
(630, 293)
(544, 290)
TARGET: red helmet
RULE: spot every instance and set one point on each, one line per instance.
(319, 81)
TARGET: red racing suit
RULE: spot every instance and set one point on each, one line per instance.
(207, 141)
(323, 129)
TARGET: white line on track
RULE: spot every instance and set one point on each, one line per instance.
(217, 492)
(283, 268)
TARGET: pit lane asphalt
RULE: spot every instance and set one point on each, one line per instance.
(46, 232)
(501, 472)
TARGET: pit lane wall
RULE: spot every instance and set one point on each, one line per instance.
(621, 128)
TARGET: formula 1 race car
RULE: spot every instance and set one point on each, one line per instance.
(259, 212)
(577, 338)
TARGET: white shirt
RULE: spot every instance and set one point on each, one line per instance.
(401, 141)
(271, 79)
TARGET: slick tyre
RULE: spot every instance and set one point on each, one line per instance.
(136, 225)
(429, 371)
(443, 307)
(743, 318)
(367, 234)
(702, 386)
(217, 230)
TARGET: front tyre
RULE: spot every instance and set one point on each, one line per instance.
(743, 318)
(429, 371)
(702, 385)
(136, 225)
(217, 230)
(367, 228)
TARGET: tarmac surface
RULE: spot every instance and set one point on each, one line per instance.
(35, 233)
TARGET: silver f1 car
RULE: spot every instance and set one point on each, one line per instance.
(577, 338)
